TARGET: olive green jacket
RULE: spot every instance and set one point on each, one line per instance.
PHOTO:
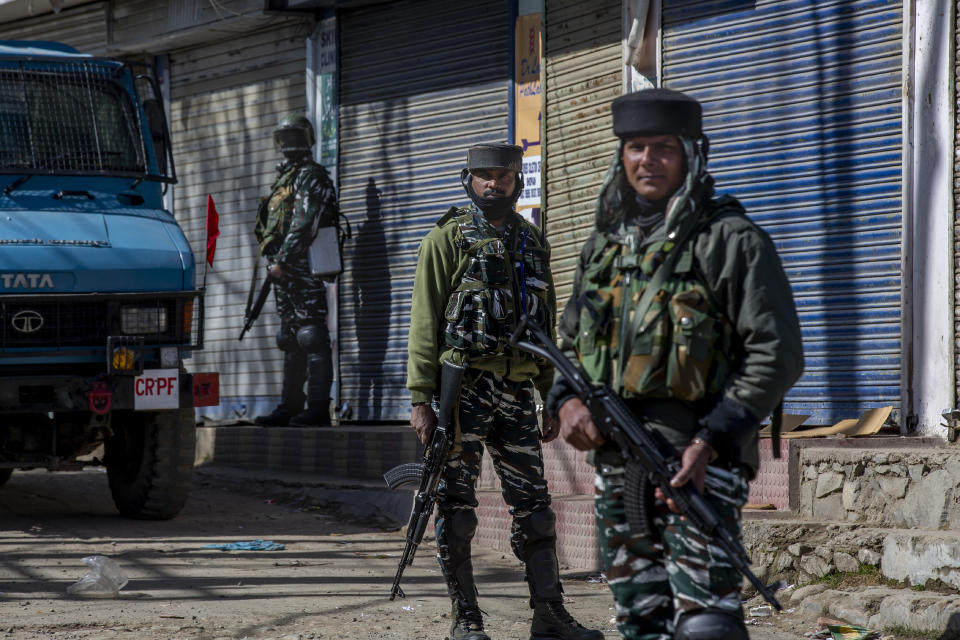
(441, 264)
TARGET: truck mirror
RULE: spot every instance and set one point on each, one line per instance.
(155, 123)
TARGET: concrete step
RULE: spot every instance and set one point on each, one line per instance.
(358, 452)
(365, 452)
(933, 615)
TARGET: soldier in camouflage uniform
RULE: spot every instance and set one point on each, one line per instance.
(302, 199)
(702, 360)
(478, 270)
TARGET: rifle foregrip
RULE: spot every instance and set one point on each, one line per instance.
(450, 377)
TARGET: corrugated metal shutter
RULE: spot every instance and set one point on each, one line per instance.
(583, 76)
(420, 82)
(84, 28)
(802, 100)
(226, 99)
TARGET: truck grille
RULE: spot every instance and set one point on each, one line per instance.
(54, 323)
(57, 324)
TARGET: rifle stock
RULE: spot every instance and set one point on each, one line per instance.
(430, 470)
(656, 458)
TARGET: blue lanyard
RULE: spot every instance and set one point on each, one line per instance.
(521, 264)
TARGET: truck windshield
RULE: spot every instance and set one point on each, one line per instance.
(69, 117)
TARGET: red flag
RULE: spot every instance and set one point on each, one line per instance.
(213, 229)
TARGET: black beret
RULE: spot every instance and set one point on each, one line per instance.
(657, 112)
(495, 155)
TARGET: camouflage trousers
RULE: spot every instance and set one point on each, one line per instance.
(301, 298)
(500, 414)
(657, 578)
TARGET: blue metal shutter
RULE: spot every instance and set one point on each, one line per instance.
(420, 82)
(802, 102)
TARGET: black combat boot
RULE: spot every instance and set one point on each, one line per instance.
(291, 394)
(279, 417)
(455, 529)
(467, 623)
(319, 381)
(551, 621)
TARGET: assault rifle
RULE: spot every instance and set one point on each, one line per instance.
(427, 473)
(650, 458)
(253, 311)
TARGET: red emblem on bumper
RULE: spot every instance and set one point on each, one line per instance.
(98, 398)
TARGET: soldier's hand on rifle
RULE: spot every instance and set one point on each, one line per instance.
(424, 421)
(693, 466)
(576, 426)
(276, 272)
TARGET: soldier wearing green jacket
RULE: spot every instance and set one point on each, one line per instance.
(704, 361)
(478, 271)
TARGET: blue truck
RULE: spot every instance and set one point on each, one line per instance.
(98, 298)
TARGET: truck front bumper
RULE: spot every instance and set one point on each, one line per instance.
(154, 389)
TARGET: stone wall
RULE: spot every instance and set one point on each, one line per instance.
(908, 488)
(800, 552)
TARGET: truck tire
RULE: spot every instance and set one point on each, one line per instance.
(149, 462)
(5, 475)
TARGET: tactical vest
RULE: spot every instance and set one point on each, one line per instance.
(486, 305)
(273, 214)
(273, 220)
(685, 351)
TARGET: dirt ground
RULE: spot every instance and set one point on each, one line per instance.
(331, 581)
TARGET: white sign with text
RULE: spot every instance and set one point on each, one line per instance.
(157, 389)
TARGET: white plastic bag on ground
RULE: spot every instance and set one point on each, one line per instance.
(104, 580)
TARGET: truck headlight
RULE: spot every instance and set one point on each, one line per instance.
(143, 320)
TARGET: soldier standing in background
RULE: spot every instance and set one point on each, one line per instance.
(478, 271)
(302, 199)
(702, 358)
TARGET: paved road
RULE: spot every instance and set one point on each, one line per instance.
(330, 581)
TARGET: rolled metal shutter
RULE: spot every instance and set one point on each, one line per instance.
(583, 75)
(802, 102)
(226, 99)
(83, 27)
(420, 82)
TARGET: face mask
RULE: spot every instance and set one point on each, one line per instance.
(494, 207)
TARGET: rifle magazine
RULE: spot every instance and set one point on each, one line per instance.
(638, 500)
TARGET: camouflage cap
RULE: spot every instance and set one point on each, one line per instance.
(495, 155)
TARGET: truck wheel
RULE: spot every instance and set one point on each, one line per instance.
(5, 475)
(149, 462)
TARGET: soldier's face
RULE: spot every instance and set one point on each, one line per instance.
(655, 165)
(493, 183)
